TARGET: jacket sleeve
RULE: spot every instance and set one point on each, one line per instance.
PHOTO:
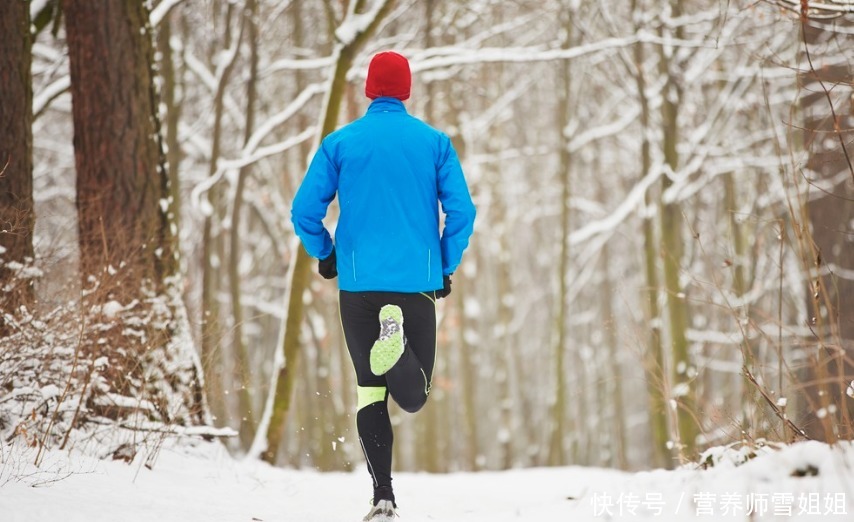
(457, 206)
(311, 201)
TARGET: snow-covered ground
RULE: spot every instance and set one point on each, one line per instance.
(204, 484)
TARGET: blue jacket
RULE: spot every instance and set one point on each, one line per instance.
(390, 171)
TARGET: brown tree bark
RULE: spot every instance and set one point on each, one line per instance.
(127, 238)
(118, 153)
(16, 155)
(827, 100)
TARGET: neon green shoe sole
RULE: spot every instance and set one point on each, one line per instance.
(389, 347)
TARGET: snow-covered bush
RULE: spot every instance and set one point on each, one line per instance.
(120, 360)
(734, 455)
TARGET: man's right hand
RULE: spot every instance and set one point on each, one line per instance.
(328, 267)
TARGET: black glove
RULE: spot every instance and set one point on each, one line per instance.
(446, 291)
(328, 267)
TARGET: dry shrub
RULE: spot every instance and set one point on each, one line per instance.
(115, 368)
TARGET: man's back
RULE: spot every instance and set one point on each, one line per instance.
(390, 171)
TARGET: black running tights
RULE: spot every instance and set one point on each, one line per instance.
(407, 382)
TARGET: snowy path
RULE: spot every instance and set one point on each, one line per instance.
(208, 486)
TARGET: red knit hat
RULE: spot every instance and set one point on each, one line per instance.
(388, 75)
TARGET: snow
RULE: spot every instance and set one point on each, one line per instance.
(159, 13)
(355, 24)
(36, 6)
(681, 389)
(50, 391)
(112, 308)
(113, 399)
(805, 481)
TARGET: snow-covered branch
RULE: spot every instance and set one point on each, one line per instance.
(211, 82)
(275, 121)
(355, 24)
(543, 54)
(201, 71)
(186, 431)
(163, 8)
(290, 64)
(50, 93)
(603, 131)
(258, 154)
(823, 9)
(632, 200)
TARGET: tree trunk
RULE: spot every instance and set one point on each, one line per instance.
(172, 112)
(213, 255)
(557, 446)
(16, 157)
(672, 247)
(117, 145)
(653, 360)
(613, 370)
(751, 403)
(468, 377)
(242, 363)
(830, 251)
(429, 432)
(125, 217)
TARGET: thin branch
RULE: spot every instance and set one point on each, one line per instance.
(773, 405)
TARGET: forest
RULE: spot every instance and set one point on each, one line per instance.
(663, 257)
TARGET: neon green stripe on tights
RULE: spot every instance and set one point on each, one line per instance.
(367, 395)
